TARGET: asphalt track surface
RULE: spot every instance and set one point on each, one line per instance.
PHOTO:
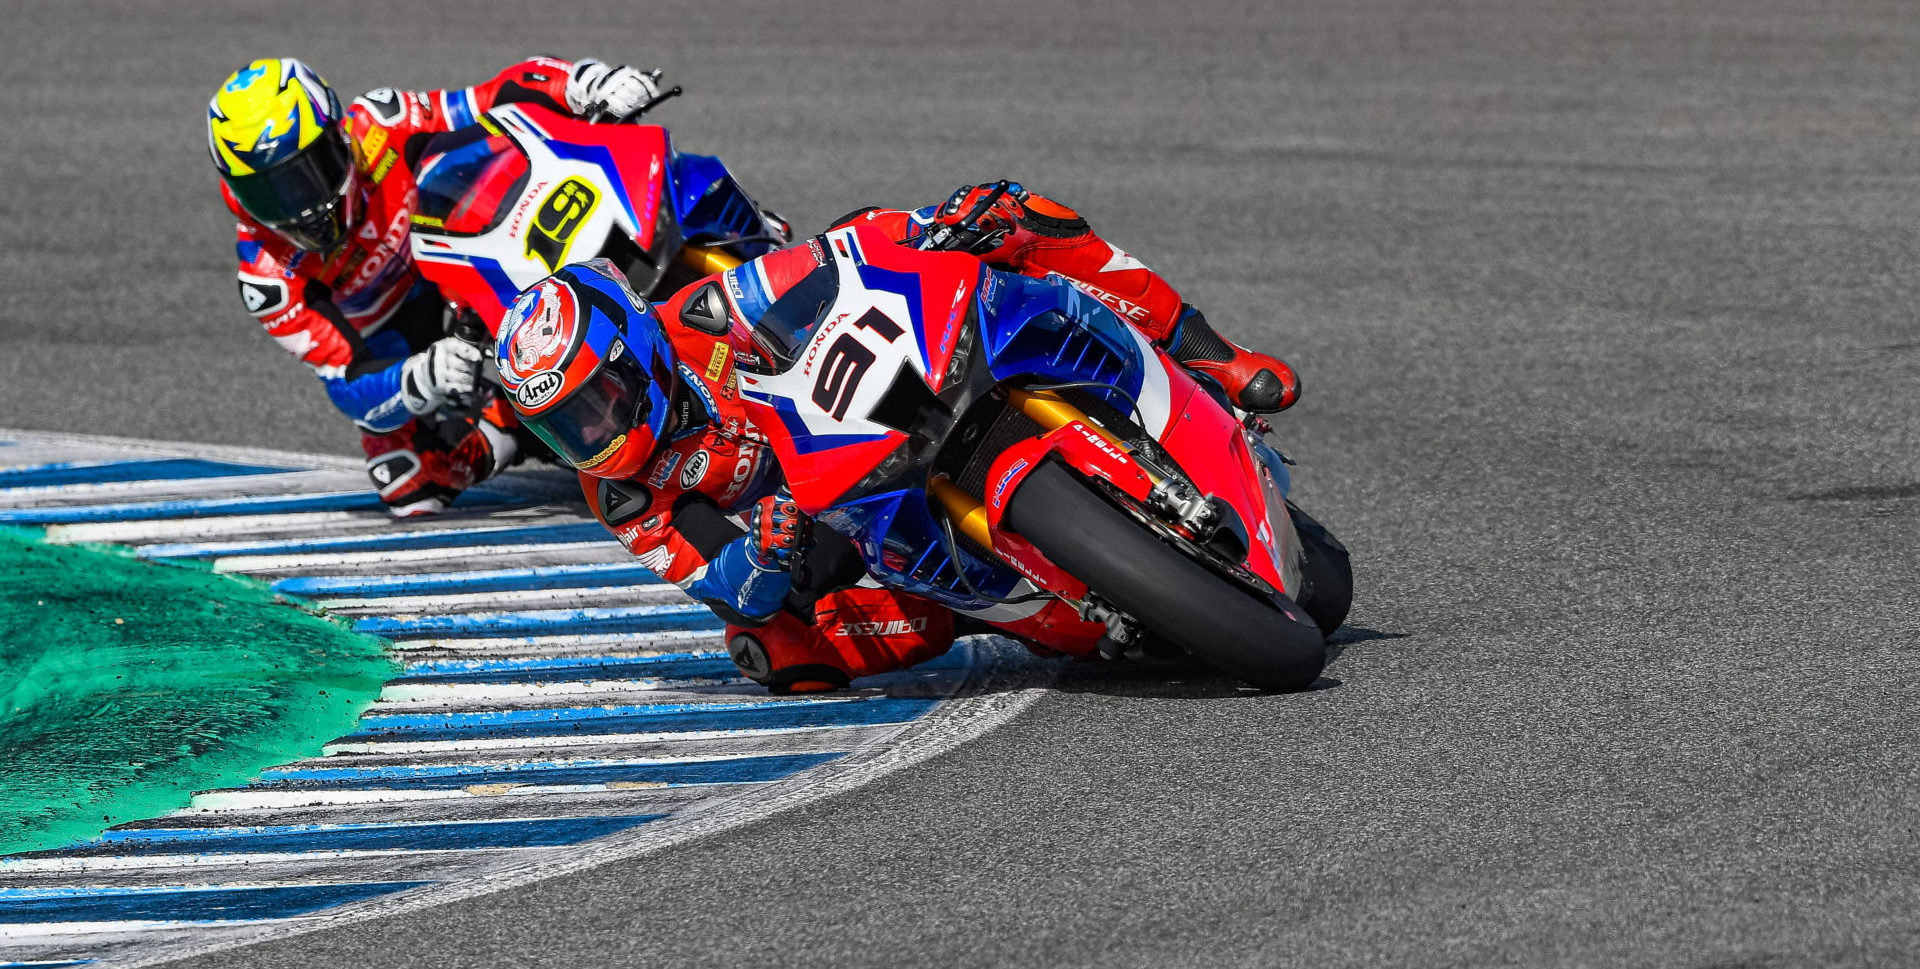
(1606, 319)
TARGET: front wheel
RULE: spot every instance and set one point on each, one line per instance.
(1274, 646)
(1327, 577)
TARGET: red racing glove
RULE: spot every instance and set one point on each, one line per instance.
(978, 218)
(780, 531)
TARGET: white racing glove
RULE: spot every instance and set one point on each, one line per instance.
(595, 89)
(447, 370)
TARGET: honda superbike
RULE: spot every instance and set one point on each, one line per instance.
(995, 443)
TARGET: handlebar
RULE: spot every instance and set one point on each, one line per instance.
(471, 330)
(597, 111)
(966, 235)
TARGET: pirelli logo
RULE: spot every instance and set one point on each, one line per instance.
(718, 365)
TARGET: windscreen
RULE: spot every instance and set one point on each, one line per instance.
(470, 188)
(783, 329)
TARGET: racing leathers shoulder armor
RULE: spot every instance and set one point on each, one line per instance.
(335, 310)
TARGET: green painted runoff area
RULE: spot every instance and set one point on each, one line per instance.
(127, 685)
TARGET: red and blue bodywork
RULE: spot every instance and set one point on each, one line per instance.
(898, 389)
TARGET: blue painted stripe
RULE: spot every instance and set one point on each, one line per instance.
(95, 472)
(304, 838)
(690, 616)
(215, 903)
(738, 770)
(387, 541)
(58, 964)
(197, 507)
(660, 718)
(501, 580)
(706, 665)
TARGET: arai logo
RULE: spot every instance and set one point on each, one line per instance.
(540, 388)
(695, 470)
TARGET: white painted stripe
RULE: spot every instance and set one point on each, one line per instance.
(164, 530)
(32, 866)
(559, 740)
(277, 482)
(530, 646)
(244, 800)
(60, 930)
(476, 693)
(485, 601)
(374, 560)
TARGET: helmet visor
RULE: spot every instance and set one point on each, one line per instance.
(595, 420)
(303, 190)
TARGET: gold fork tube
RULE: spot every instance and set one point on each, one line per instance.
(707, 260)
(967, 513)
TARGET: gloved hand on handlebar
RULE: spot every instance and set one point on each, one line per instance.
(595, 90)
(780, 532)
(449, 370)
(976, 218)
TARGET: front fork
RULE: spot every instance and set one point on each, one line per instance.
(1096, 453)
(707, 260)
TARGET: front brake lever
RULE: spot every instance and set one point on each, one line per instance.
(597, 111)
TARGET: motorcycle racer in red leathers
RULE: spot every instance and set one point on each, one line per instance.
(325, 198)
(690, 486)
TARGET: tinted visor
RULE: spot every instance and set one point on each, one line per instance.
(303, 192)
(593, 421)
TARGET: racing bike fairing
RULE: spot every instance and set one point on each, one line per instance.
(872, 362)
(1051, 329)
(713, 207)
(526, 190)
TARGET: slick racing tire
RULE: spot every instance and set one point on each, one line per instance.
(1274, 646)
(1327, 577)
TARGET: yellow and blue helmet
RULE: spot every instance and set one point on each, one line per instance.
(275, 131)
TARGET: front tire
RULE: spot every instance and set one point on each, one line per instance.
(1327, 586)
(1274, 646)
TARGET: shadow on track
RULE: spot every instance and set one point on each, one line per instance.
(1184, 677)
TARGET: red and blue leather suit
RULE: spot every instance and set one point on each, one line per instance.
(813, 628)
(355, 313)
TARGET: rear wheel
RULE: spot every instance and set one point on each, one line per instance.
(1273, 645)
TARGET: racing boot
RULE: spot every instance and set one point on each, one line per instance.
(856, 632)
(1257, 383)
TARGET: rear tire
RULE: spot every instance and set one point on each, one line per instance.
(1273, 646)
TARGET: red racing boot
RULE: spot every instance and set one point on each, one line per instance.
(1256, 382)
(856, 632)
